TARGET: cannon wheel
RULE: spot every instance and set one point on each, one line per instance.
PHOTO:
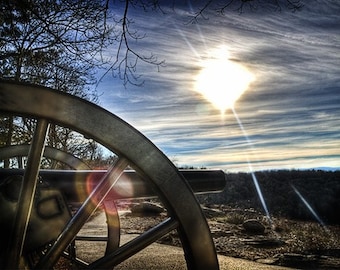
(22, 150)
(133, 149)
(112, 238)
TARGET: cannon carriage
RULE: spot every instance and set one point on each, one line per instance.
(38, 224)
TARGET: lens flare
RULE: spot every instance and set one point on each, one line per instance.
(308, 206)
(255, 181)
(123, 188)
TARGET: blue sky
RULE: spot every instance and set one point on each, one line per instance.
(288, 117)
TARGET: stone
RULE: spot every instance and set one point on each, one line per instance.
(147, 208)
(220, 233)
(211, 212)
(253, 226)
(270, 261)
(265, 243)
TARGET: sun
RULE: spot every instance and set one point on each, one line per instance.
(222, 81)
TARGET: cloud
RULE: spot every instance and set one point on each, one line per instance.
(289, 114)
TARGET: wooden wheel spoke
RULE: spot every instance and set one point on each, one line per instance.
(25, 201)
(85, 211)
(134, 246)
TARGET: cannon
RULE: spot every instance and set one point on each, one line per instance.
(39, 225)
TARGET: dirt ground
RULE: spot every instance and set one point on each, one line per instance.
(291, 243)
(285, 243)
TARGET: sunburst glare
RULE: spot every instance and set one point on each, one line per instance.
(222, 81)
(309, 207)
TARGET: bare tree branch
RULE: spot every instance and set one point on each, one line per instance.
(126, 57)
(240, 6)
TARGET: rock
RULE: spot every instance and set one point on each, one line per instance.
(253, 226)
(309, 261)
(220, 233)
(268, 261)
(211, 212)
(265, 243)
(147, 208)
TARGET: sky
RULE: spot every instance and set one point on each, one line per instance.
(285, 65)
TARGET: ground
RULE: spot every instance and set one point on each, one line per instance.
(284, 242)
(303, 244)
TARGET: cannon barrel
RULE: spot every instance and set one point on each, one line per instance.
(77, 184)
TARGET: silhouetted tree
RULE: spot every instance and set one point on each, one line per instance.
(50, 43)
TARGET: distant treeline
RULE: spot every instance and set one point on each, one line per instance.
(293, 194)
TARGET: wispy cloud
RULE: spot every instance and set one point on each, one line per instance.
(291, 112)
